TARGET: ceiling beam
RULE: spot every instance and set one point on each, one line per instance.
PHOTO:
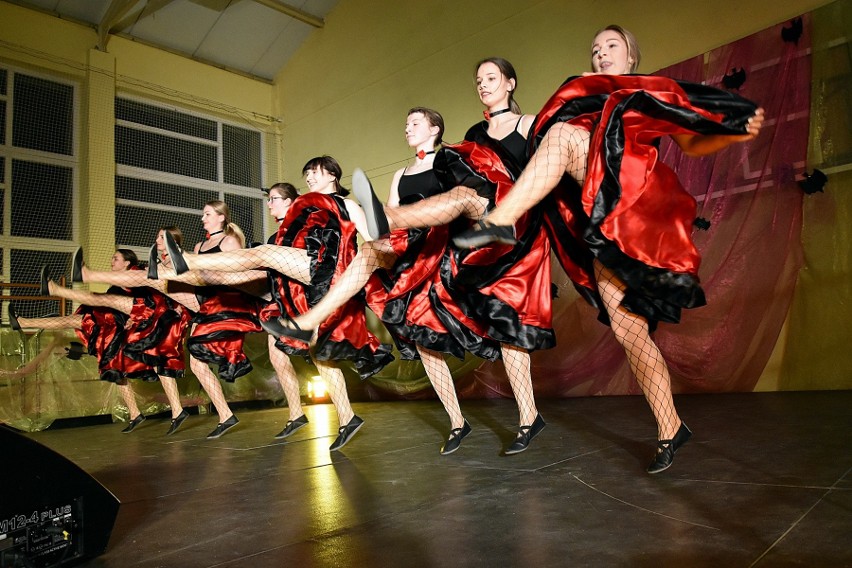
(295, 13)
(117, 10)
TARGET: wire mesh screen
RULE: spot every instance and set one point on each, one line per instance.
(166, 160)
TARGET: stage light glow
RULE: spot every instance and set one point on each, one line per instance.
(317, 391)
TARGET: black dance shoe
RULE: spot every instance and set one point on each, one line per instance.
(175, 253)
(292, 426)
(153, 261)
(666, 450)
(525, 436)
(43, 279)
(13, 318)
(377, 221)
(485, 233)
(455, 439)
(77, 265)
(273, 327)
(345, 433)
(296, 332)
(131, 426)
(223, 426)
(176, 422)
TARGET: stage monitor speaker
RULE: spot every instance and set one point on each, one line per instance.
(52, 513)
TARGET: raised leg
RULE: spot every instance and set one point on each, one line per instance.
(123, 278)
(564, 149)
(291, 262)
(73, 321)
(372, 256)
(438, 210)
(121, 303)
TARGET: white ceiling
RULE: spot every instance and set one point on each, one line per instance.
(254, 37)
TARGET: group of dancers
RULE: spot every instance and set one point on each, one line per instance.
(457, 261)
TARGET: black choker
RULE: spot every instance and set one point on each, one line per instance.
(214, 233)
(423, 153)
(488, 114)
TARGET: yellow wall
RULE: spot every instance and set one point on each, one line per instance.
(38, 42)
(346, 92)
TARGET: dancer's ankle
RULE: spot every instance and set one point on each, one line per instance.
(499, 219)
(300, 322)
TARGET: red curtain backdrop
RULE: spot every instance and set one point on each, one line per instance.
(751, 251)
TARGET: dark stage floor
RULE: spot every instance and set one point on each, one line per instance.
(766, 481)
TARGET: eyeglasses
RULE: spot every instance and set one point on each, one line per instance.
(272, 198)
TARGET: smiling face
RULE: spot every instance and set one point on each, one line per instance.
(212, 220)
(319, 180)
(492, 86)
(419, 132)
(610, 54)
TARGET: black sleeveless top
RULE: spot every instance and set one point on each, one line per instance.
(217, 248)
(516, 145)
(418, 186)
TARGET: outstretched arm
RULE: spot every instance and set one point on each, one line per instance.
(702, 145)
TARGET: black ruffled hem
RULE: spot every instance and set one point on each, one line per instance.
(407, 337)
(482, 347)
(229, 371)
(654, 293)
(366, 361)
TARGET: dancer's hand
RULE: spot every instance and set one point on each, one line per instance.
(755, 123)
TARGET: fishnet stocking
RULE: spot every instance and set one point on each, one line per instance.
(438, 210)
(372, 256)
(121, 303)
(73, 321)
(171, 390)
(517, 364)
(442, 381)
(252, 282)
(291, 262)
(287, 377)
(129, 398)
(123, 278)
(564, 149)
(211, 386)
(139, 279)
(644, 357)
(333, 377)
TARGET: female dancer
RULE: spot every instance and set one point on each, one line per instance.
(643, 214)
(411, 261)
(103, 329)
(280, 198)
(221, 316)
(315, 243)
(510, 283)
